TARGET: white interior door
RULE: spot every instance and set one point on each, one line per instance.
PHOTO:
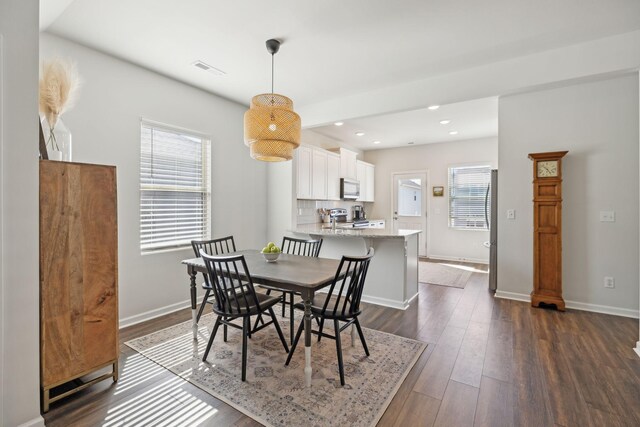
(410, 205)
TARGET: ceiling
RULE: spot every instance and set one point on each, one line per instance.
(331, 48)
(471, 119)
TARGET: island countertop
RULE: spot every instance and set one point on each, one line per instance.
(370, 233)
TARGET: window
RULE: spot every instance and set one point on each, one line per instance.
(410, 197)
(174, 188)
(467, 191)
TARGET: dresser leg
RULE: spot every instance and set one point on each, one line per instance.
(45, 400)
(115, 371)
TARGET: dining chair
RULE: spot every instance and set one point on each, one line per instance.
(341, 304)
(290, 245)
(235, 297)
(219, 246)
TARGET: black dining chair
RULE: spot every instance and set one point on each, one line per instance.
(235, 297)
(341, 304)
(290, 245)
(222, 245)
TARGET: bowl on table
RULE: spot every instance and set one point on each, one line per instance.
(270, 256)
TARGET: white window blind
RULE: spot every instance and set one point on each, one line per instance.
(174, 188)
(467, 193)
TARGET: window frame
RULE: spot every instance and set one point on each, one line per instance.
(206, 184)
(450, 168)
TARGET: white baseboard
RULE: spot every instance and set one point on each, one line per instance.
(576, 305)
(380, 301)
(386, 302)
(36, 422)
(413, 297)
(513, 295)
(459, 259)
(637, 349)
(152, 314)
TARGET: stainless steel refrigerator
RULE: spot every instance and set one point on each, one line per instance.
(491, 218)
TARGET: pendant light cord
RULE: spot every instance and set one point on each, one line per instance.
(272, 55)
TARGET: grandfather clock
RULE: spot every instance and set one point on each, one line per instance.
(547, 229)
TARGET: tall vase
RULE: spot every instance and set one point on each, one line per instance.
(57, 141)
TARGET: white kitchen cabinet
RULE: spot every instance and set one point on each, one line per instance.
(370, 182)
(348, 163)
(319, 175)
(333, 176)
(366, 175)
(304, 166)
(361, 173)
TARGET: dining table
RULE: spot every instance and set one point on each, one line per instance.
(301, 274)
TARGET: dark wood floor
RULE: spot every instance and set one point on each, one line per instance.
(490, 362)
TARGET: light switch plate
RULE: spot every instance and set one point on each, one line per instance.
(607, 216)
(511, 214)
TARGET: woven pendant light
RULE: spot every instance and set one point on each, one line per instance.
(271, 127)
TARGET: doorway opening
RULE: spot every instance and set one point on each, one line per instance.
(410, 205)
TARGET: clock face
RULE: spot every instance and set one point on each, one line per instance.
(547, 168)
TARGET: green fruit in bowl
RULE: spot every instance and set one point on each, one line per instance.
(275, 250)
(266, 250)
(270, 245)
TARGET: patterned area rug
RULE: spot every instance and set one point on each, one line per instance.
(435, 273)
(274, 394)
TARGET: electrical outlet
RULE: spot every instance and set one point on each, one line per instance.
(609, 282)
(511, 214)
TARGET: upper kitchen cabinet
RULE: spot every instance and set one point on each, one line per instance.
(319, 175)
(365, 173)
(333, 176)
(304, 163)
(348, 163)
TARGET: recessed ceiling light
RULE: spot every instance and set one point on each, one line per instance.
(453, 132)
(376, 142)
(360, 133)
(338, 123)
(433, 107)
(445, 122)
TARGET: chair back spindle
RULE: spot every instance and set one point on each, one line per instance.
(222, 245)
(293, 246)
(345, 293)
(232, 284)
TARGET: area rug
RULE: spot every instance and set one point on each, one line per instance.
(443, 274)
(275, 394)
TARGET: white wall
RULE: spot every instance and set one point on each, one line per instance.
(105, 125)
(598, 123)
(19, 348)
(443, 242)
(280, 207)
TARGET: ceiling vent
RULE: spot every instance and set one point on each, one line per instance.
(209, 68)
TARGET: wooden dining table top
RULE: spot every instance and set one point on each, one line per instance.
(292, 272)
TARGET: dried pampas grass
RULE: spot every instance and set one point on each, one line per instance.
(59, 84)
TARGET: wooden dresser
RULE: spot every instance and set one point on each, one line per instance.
(78, 276)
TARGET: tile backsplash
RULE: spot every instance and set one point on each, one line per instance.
(307, 210)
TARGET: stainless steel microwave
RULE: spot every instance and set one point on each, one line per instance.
(349, 189)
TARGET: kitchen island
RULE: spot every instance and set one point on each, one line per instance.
(392, 279)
